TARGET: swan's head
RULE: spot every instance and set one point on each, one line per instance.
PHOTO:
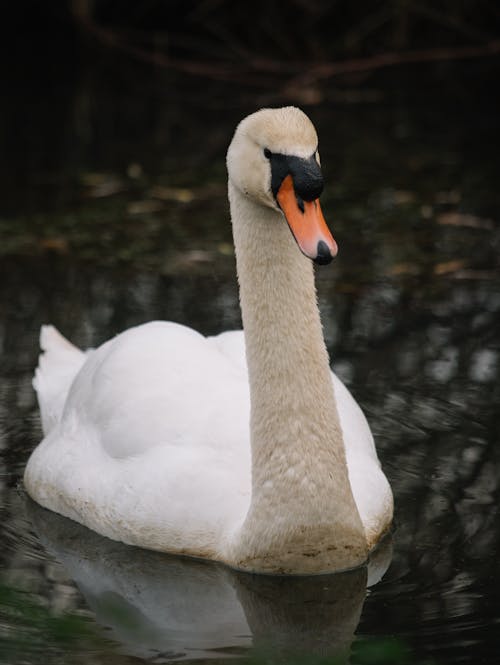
(273, 159)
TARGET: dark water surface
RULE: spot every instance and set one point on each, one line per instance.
(114, 213)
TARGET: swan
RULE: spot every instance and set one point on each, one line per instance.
(242, 448)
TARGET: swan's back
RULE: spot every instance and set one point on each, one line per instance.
(154, 384)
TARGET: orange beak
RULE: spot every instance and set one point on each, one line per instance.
(307, 224)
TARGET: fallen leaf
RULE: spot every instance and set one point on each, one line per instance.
(403, 197)
(447, 267)
(193, 259)
(180, 194)
(54, 244)
(101, 185)
(463, 220)
(143, 207)
(403, 269)
(94, 179)
(226, 248)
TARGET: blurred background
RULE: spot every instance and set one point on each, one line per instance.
(114, 122)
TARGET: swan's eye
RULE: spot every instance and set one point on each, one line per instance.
(267, 153)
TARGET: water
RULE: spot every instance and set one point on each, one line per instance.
(114, 213)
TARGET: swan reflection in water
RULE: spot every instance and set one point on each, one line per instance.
(173, 608)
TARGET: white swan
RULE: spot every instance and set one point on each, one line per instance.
(163, 438)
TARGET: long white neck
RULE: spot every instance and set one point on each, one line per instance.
(302, 516)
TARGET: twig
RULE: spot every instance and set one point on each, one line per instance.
(370, 63)
(302, 73)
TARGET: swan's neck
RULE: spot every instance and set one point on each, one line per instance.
(302, 516)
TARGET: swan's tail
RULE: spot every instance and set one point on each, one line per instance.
(58, 365)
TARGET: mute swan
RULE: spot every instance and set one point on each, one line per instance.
(163, 438)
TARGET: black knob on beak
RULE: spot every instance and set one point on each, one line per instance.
(307, 178)
(306, 175)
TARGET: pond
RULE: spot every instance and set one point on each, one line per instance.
(114, 213)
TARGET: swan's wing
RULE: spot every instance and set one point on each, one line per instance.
(153, 383)
(357, 434)
(370, 487)
(232, 345)
(156, 384)
(58, 365)
(155, 423)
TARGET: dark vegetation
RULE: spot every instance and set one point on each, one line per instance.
(114, 122)
(300, 43)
